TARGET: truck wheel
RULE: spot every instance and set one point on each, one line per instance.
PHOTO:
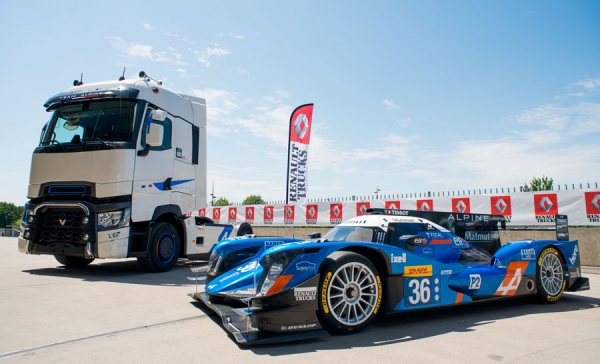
(350, 293)
(245, 229)
(550, 275)
(73, 262)
(163, 248)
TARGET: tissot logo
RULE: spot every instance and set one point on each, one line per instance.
(500, 205)
(249, 213)
(425, 205)
(361, 208)
(335, 213)
(202, 212)
(461, 205)
(312, 214)
(216, 213)
(395, 205)
(545, 204)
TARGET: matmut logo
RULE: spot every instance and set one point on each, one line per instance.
(312, 214)
(361, 208)
(249, 214)
(545, 204)
(232, 214)
(335, 213)
(268, 214)
(394, 205)
(500, 205)
(425, 205)
(592, 203)
(202, 212)
(216, 213)
(461, 205)
(418, 271)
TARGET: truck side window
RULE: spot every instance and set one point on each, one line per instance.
(168, 128)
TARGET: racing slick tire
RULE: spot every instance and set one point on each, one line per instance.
(163, 248)
(350, 293)
(550, 275)
(73, 262)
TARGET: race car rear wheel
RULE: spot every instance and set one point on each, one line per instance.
(550, 275)
(350, 293)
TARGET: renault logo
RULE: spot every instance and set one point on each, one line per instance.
(62, 219)
(301, 125)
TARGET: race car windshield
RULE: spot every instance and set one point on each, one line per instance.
(351, 233)
(91, 122)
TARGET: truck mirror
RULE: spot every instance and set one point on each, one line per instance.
(159, 115)
(154, 138)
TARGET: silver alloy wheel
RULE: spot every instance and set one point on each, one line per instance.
(352, 294)
(551, 274)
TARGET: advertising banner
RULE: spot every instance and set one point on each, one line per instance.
(299, 140)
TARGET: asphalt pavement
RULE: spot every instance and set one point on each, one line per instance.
(113, 312)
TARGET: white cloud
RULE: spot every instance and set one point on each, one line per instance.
(208, 53)
(390, 105)
(147, 26)
(230, 34)
(588, 84)
(136, 51)
(241, 71)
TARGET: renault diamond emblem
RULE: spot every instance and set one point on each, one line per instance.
(62, 219)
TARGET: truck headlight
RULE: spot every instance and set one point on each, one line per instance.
(114, 219)
(28, 217)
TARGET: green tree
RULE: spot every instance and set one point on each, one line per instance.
(540, 184)
(221, 201)
(253, 200)
(10, 214)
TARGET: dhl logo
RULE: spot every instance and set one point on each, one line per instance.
(418, 271)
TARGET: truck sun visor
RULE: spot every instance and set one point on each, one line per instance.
(65, 97)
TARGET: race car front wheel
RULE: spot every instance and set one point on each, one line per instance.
(550, 275)
(350, 292)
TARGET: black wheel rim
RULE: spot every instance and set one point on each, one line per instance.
(165, 249)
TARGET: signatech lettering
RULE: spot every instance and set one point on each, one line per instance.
(288, 214)
(335, 213)
(361, 208)
(268, 215)
(249, 214)
(425, 205)
(461, 205)
(312, 214)
(592, 206)
(232, 215)
(299, 140)
(545, 206)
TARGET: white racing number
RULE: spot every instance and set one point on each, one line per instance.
(421, 292)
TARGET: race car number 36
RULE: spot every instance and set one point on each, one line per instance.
(421, 291)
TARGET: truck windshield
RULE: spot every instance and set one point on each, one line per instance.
(101, 121)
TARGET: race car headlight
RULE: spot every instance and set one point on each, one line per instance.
(114, 219)
(268, 275)
(214, 262)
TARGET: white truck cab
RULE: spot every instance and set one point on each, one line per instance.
(120, 168)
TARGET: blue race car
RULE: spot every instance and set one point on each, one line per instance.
(280, 289)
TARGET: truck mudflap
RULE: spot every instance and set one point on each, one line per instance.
(238, 321)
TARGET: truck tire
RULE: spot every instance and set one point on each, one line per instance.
(245, 229)
(73, 262)
(163, 248)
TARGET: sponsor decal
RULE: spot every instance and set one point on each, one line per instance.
(461, 205)
(420, 241)
(216, 213)
(418, 271)
(397, 213)
(427, 251)
(499, 264)
(434, 235)
(395, 205)
(249, 216)
(324, 292)
(232, 215)
(229, 276)
(425, 205)
(592, 206)
(446, 272)
(243, 292)
(248, 267)
(361, 208)
(474, 281)
(268, 215)
(305, 293)
(501, 205)
(288, 214)
(335, 213)
(573, 258)
(305, 266)
(512, 279)
(574, 273)
(545, 207)
(312, 214)
(458, 241)
(398, 258)
(202, 212)
(527, 254)
(379, 294)
(298, 327)
(477, 236)
(271, 243)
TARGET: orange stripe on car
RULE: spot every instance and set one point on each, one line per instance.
(459, 297)
(441, 241)
(279, 284)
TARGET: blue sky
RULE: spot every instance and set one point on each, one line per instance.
(410, 96)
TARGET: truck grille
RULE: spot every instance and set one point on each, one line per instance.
(62, 220)
(63, 225)
(54, 236)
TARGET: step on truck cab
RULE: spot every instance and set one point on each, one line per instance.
(118, 172)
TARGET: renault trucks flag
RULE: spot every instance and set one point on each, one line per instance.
(300, 125)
